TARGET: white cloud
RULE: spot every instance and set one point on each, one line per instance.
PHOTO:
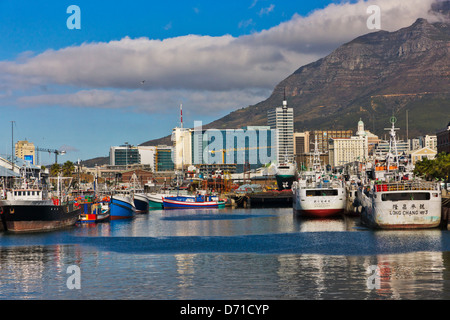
(160, 101)
(267, 10)
(203, 69)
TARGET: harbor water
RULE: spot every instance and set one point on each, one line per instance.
(225, 254)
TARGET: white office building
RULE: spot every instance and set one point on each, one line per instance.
(281, 119)
(182, 147)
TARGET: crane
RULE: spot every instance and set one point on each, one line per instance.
(56, 152)
(224, 151)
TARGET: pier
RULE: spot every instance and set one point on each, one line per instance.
(273, 199)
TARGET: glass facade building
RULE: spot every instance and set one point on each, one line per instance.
(248, 148)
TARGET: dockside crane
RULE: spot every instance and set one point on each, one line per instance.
(56, 152)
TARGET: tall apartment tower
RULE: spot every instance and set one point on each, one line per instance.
(25, 150)
(282, 120)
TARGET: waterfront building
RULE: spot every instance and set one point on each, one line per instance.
(323, 136)
(443, 140)
(164, 160)
(124, 155)
(346, 150)
(25, 150)
(301, 143)
(429, 141)
(420, 154)
(147, 155)
(127, 155)
(182, 147)
(281, 119)
(382, 147)
(415, 144)
(233, 149)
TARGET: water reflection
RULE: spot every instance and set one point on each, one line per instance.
(243, 254)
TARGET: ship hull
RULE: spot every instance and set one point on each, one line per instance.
(121, 207)
(410, 214)
(36, 218)
(141, 203)
(155, 201)
(307, 202)
(284, 182)
(319, 213)
(189, 202)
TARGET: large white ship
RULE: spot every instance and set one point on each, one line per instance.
(392, 202)
(317, 194)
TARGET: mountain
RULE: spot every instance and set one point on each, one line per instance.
(370, 77)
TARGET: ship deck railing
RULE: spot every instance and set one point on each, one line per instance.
(407, 186)
(320, 185)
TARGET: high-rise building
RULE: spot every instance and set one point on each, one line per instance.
(182, 147)
(25, 150)
(281, 119)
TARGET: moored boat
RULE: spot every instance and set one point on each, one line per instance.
(29, 210)
(394, 202)
(317, 194)
(200, 201)
(319, 198)
(122, 206)
(98, 212)
(141, 202)
(155, 200)
(285, 175)
(401, 205)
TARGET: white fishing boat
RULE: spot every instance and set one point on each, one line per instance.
(317, 194)
(392, 202)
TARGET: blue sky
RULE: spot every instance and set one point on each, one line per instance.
(82, 91)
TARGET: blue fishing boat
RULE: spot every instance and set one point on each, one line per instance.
(122, 207)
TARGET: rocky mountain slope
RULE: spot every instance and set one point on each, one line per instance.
(371, 77)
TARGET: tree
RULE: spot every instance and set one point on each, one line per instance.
(55, 169)
(68, 169)
(438, 168)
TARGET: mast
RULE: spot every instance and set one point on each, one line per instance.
(181, 115)
(392, 155)
(12, 145)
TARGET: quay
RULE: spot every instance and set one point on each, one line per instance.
(271, 199)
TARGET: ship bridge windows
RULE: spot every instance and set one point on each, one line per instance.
(406, 196)
(321, 192)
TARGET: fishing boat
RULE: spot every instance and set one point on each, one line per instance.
(394, 202)
(200, 201)
(141, 202)
(317, 194)
(155, 200)
(32, 209)
(98, 212)
(122, 206)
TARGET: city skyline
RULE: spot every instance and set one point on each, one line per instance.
(122, 76)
